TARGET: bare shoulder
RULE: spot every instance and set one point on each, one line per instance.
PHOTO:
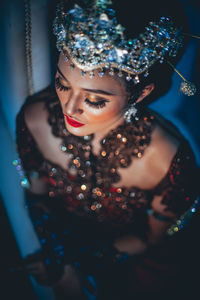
(158, 156)
(35, 111)
(161, 150)
(36, 116)
(36, 119)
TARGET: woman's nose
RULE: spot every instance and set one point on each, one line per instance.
(73, 105)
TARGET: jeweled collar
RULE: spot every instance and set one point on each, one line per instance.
(117, 147)
(95, 175)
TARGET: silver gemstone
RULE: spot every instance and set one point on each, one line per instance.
(136, 79)
(69, 189)
(188, 88)
(120, 74)
(91, 75)
(83, 73)
(111, 72)
(80, 196)
(128, 77)
(86, 137)
(63, 148)
(99, 45)
(132, 194)
(101, 73)
(98, 205)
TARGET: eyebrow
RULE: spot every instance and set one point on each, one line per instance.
(96, 91)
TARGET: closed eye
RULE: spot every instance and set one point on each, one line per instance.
(60, 86)
(98, 104)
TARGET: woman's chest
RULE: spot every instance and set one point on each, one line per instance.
(92, 185)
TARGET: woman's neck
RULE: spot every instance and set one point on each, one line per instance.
(98, 136)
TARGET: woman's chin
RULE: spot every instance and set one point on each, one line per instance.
(78, 131)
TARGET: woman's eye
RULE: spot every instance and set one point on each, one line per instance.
(97, 104)
(60, 86)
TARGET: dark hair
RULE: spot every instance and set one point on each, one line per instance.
(135, 16)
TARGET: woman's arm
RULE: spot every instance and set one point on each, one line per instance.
(175, 193)
(37, 201)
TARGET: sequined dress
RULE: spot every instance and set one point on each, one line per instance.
(82, 212)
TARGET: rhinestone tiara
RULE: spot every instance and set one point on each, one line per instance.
(92, 38)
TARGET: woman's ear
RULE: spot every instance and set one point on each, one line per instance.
(146, 92)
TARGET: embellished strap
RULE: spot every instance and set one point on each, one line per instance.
(185, 218)
(179, 187)
(31, 158)
(158, 216)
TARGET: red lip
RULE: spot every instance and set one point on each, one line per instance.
(72, 122)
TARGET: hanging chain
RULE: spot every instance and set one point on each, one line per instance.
(28, 45)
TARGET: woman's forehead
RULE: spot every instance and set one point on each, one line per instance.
(113, 84)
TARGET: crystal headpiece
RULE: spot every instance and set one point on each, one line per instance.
(93, 39)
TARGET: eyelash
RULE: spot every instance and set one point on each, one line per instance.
(60, 86)
(99, 104)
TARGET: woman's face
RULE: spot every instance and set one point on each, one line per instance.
(90, 105)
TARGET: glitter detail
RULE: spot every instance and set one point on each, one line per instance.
(103, 153)
(117, 206)
(93, 38)
(91, 74)
(83, 187)
(70, 146)
(136, 79)
(128, 77)
(111, 72)
(63, 148)
(113, 154)
(188, 88)
(101, 73)
(184, 219)
(83, 73)
(23, 179)
(130, 113)
(80, 196)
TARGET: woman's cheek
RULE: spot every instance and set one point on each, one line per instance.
(58, 94)
(61, 97)
(102, 114)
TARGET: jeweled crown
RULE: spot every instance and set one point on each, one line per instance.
(93, 39)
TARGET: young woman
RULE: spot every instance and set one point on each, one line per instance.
(108, 179)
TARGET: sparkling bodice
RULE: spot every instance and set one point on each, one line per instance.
(86, 188)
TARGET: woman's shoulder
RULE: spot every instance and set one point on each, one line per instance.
(163, 147)
(168, 149)
(29, 124)
(166, 125)
(34, 110)
(166, 145)
(34, 122)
